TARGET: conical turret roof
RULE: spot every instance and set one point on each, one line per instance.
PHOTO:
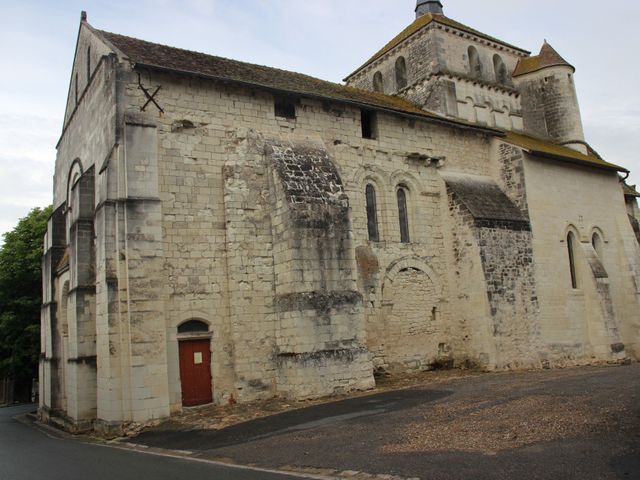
(548, 57)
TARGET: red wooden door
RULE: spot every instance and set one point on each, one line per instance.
(195, 372)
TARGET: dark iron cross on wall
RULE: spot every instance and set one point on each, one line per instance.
(151, 97)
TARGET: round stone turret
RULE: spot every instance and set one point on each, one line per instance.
(549, 100)
(428, 6)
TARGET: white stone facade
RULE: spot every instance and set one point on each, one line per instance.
(205, 205)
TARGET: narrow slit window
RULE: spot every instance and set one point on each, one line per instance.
(369, 122)
(403, 215)
(596, 241)
(76, 88)
(572, 260)
(372, 213)
(88, 64)
(285, 108)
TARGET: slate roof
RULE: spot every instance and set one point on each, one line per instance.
(547, 149)
(422, 22)
(548, 57)
(162, 57)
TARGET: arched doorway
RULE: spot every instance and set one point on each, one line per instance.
(411, 317)
(194, 343)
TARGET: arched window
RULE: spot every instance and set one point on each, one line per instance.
(378, 84)
(193, 326)
(73, 179)
(571, 244)
(372, 214)
(500, 70)
(596, 241)
(403, 215)
(401, 73)
(475, 65)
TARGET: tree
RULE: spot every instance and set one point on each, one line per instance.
(21, 299)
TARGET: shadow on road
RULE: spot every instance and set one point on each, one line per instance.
(286, 422)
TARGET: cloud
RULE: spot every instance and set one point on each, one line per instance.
(323, 38)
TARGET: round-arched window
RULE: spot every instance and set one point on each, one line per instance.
(193, 326)
(475, 65)
(403, 214)
(500, 69)
(378, 84)
(401, 73)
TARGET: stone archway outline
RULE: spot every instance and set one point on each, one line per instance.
(76, 171)
(417, 263)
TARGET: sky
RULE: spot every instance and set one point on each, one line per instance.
(324, 38)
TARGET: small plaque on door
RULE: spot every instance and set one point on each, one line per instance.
(197, 358)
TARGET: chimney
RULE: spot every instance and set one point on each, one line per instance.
(428, 6)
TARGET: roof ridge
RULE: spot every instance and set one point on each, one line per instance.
(146, 54)
(422, 22)
(218, 57)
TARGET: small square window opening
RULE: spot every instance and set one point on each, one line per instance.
(285, 108)
(369, 122)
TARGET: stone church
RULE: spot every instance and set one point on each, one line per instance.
(229, 232)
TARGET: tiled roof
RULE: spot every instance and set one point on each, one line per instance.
(163, 57)
(547, 149)
(548, 57)
(422, 22)
(630, 190)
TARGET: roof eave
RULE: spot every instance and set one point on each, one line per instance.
(413, 116)
(539, 69)
(575, 161)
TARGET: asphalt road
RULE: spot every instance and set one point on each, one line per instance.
(561, 424)
(31, 453)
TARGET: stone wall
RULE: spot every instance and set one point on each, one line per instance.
(502, 234)
(574, 321)
(207, 206)
(440, 80)
(225, 128)
(550, 105)
(68, 366)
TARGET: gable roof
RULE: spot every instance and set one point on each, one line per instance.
(165, 58)
(422, 22)
(548, 57)
(546, 149)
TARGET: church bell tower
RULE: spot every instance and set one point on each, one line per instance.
(428, 6)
